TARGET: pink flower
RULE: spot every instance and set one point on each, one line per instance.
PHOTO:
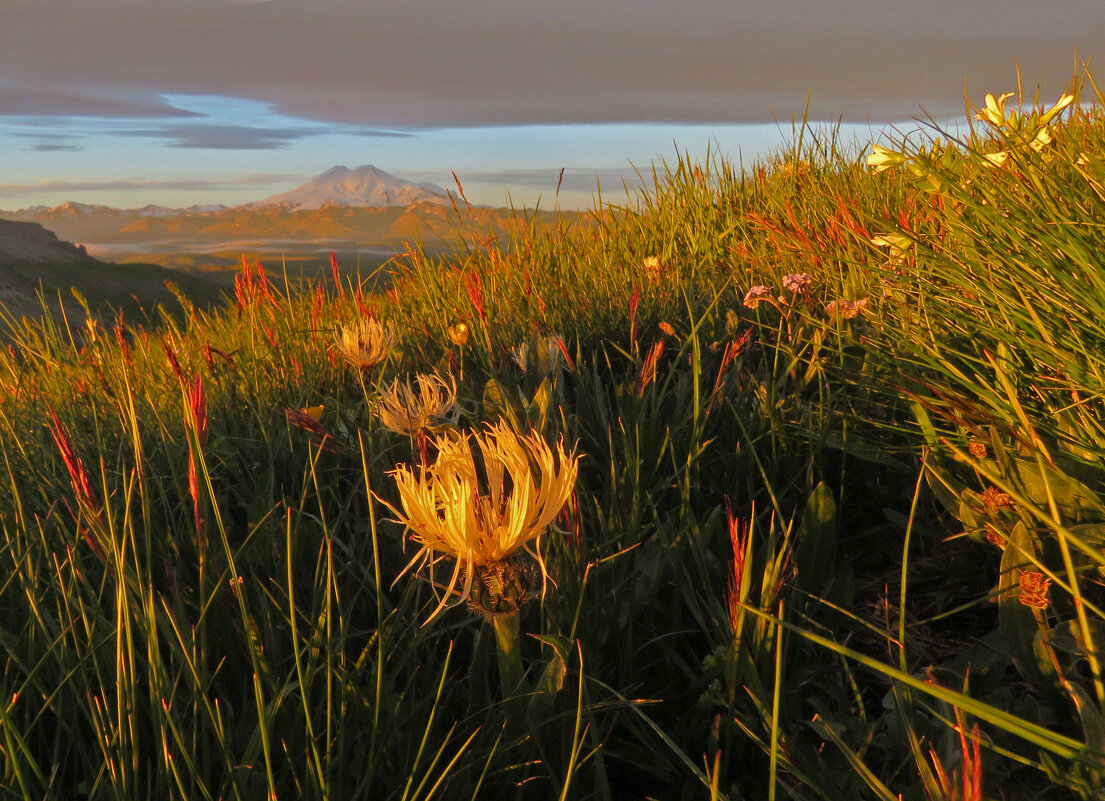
(757, 295)
(797, 282)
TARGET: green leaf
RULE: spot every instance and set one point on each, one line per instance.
(552, 676)
(952, 495)
(499, 404)
(1067, 636)
(1093, 729)
(1073, 498)
(817, 535)
(1016, 622)
(539, 407)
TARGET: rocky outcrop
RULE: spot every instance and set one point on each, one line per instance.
(29, 242)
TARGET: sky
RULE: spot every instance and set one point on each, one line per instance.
(186, 102)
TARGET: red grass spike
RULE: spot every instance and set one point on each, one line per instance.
(339, 288)
(474, 284)
(648, 367)
(79, 478)
(633, 301)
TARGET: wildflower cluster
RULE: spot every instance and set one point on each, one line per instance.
(931, 169)
(479, 499)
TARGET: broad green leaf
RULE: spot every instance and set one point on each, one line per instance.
(1016, 622)
(1073, 498)
(499, 404)
(817, 535)
(1067, 636)
(1093, 729)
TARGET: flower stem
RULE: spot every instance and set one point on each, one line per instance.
(510, 652)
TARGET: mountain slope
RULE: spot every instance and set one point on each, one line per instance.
(34, 263)
(30, 242)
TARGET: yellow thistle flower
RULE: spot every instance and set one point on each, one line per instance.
(405, 410)
(484, 525)
(366, 343)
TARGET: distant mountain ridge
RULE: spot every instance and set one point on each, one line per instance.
(362, 210)
(364, 186)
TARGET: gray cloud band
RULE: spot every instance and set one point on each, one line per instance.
(507, 62)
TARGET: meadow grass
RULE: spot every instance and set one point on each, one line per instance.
(835, 530)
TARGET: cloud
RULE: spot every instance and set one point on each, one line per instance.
(48, 142)
(46, 147)
(57, 102)
(369, 131)
(221, 136)
(427, 64)
(200, 184)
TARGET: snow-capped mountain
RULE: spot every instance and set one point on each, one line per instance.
(363, 186)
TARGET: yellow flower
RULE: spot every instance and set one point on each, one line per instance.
(995, 159)
(483, 518)
(899, 246)
(366, 343)
(1053, 112)
(653, 267)
(458, 334)
(404, 410)
(883, 158)
(994, 113)
(1041, 140)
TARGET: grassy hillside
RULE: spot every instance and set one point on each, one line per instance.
(783, 484)
(31, 289)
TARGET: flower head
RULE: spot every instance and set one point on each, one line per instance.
(366, 343)
(847, 309)
(994, 113)
(756, 295)
(977, 449)
(883, 158)
(405, 410)
(899, 245)
(542, 355)
(996, 159)
(484, 518)
(458, 334)
(1033, 587)
(794, 168)
(797, 282)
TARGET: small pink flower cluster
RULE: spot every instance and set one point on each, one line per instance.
(757, 295)
(797, 282)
